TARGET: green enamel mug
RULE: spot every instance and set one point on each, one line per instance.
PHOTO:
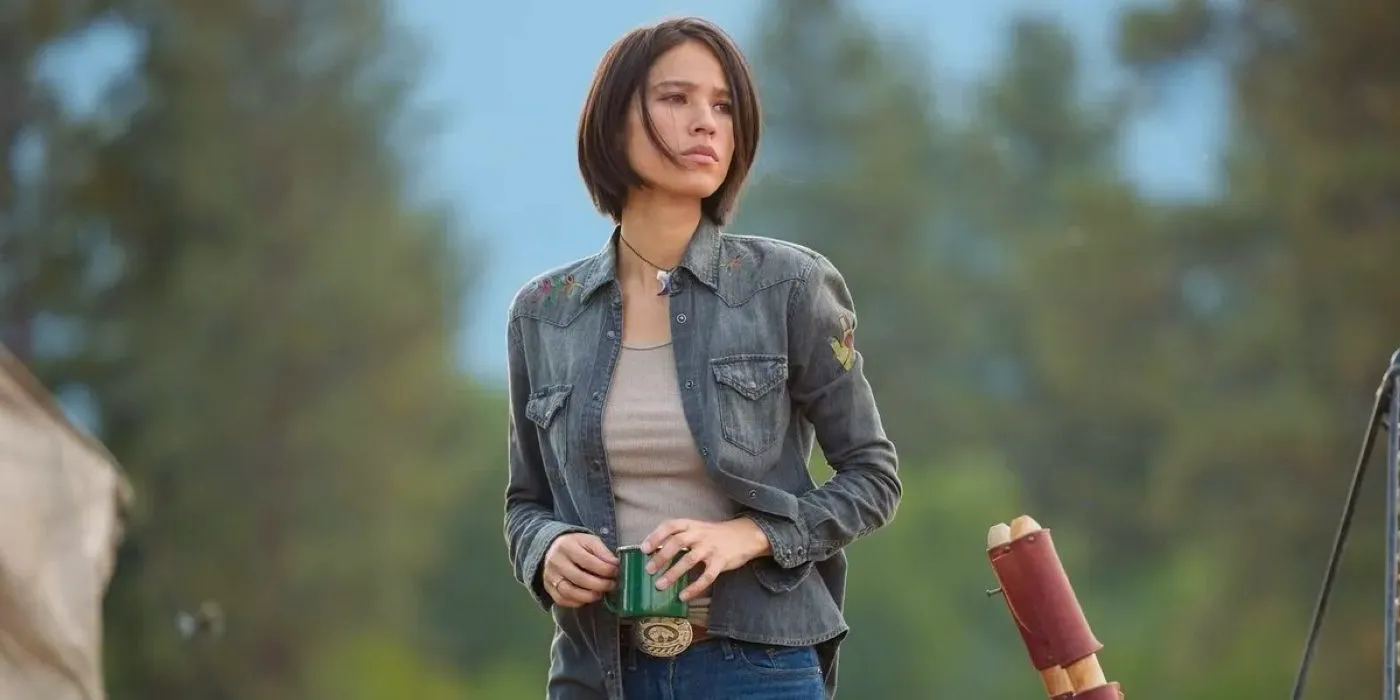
(636, 595)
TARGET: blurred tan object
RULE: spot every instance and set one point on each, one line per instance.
(61, 501)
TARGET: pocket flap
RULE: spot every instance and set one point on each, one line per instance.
(751, 375)
(546, 402)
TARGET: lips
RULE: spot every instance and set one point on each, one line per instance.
(701, 154)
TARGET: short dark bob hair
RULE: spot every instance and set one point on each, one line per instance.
(622, 74)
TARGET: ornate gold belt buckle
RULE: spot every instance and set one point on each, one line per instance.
(662, 636)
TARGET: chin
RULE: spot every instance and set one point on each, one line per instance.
(697, 185)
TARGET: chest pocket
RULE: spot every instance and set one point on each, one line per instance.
(752, 404)
(545, 407)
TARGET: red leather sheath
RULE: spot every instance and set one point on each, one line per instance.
(1043, 603)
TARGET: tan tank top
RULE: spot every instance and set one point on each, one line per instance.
(657, 472)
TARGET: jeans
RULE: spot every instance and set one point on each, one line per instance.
(724, 669)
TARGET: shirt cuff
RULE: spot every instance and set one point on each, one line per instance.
(785, 539)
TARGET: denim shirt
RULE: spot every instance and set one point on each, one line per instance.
(763, 335)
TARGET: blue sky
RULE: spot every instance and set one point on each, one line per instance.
(506, 81)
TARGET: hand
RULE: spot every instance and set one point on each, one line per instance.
(719, 547)
(578, 569)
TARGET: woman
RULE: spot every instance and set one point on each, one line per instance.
(667, 392)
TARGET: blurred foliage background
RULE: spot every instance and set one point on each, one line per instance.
(225, 267)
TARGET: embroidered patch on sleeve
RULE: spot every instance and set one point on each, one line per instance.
(844, 348)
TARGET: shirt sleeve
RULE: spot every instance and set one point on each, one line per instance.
(530, 522)
(828, 384)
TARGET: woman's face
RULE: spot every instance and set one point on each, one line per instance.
(688, 97)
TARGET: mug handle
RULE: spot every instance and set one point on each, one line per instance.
(607, 603)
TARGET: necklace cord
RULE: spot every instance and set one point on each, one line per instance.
(667, 270)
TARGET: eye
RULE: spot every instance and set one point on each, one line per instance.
(673, 98)
(725, 108)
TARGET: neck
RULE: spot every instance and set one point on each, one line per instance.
(659, 230)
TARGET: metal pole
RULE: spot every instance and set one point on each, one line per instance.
(1384, 414)
(1392, 504)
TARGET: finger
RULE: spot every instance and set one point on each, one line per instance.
(701, 584)
(570, 596)
(579, 596)
(581, 579)
(671, 548)
(663, 532)
(598, 549)
(567, 594)
(555, 585)
(679, 569)
(587, 558)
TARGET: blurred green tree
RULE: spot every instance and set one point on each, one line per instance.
(472, 589)
(853, 147)
(1295, 263)
(267, 325)
(38, 150)
(1081, 297)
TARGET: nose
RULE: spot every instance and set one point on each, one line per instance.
(704, 122)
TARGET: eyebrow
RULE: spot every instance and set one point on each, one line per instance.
(684, 85)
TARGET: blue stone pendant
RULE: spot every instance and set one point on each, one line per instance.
(664, 278)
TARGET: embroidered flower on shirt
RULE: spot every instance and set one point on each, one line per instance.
(547, 290)
(734, 263)
(844, 348)
(571, 284)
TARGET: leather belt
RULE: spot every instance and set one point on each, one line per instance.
(698, 633)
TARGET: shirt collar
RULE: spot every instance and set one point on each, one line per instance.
(701, 258)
